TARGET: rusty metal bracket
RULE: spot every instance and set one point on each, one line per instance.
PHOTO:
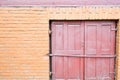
(50, 73)
(49, 32)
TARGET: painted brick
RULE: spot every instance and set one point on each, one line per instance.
(24, 38)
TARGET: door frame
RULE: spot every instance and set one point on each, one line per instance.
(50, 44)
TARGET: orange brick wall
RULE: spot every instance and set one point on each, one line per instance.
(24, 38)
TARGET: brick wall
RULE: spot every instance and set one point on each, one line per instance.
(24, 38)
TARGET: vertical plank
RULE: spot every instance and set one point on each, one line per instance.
(71, 37)
(59, 36)
(105, 39)
(73, 73)
(99, 61)
(79, 45)
(112, 62)
(90, 38)
(65, 52)
(75, 43)
(90, 49)
(78, 37)
(53, 50)
(57, 45)
(105, 49)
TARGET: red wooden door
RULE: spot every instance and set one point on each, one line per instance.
(83, 50)
(100, 49)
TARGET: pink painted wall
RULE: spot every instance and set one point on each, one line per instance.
(59, 2)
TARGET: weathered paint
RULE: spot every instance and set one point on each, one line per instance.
(24, 38)
(65, 39)
(83, 50)
(58, 2)
(99, 41)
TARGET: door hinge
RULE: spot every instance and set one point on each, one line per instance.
(114, 29)
(49, 31)
(50, 73)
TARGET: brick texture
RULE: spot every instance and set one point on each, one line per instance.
(24, 38)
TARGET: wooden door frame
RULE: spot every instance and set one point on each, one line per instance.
(117, 23)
